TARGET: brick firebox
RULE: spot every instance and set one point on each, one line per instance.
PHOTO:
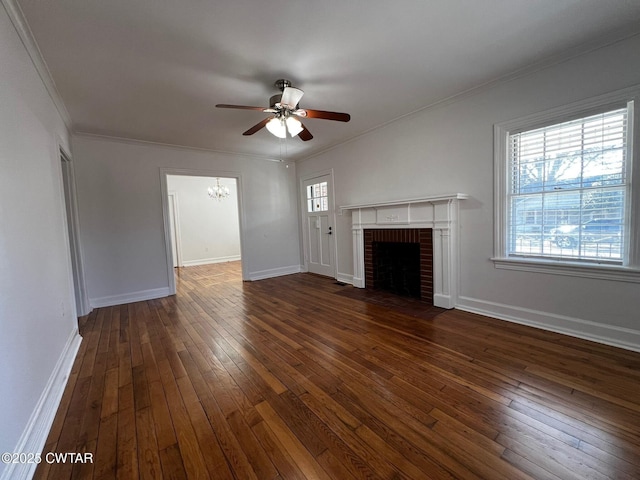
(421, 236)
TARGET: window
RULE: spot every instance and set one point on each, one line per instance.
(567, 191)
(563, 187)
(317, 199)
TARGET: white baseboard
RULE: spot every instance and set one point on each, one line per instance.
(597, 332)
(274, 272)
(129, 297)
(443, 301)
(35, 434)
(344, 278)
(208, 261)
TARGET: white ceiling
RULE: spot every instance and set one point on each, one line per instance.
(153, 70)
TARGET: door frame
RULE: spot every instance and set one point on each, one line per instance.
(164, 173)
(72, 223)
(175, 220)
(303, 210)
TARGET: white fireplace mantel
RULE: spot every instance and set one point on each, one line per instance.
(437, 212)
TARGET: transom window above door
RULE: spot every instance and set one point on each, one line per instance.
(317, 200)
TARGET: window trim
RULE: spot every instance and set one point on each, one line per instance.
(629, 270)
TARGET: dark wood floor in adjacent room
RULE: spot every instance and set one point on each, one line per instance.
(286, 378)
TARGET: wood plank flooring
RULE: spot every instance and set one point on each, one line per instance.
(285, 379)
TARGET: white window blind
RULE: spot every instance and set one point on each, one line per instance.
(568, 188)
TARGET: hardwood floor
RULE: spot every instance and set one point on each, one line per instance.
(284, 378)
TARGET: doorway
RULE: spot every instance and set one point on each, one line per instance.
(200, 228)
(71, 211)
(318, 224)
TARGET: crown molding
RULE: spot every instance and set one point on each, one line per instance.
(544, 63)
(135, 141)
(26, 36)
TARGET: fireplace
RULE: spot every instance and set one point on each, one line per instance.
(400, 261)
(437, 215)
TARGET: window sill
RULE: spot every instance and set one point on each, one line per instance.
(572, 269)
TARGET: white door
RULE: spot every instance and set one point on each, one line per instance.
(318, 225)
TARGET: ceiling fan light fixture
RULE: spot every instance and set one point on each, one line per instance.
(277, 127)
(294, 126)
(285, 109)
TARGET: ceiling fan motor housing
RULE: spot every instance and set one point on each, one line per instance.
(282, 83)
(275, 99)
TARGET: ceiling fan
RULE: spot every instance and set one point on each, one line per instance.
(286, 113)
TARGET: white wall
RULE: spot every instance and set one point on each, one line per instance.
(120, 208)
(448, 149)
(38, 326)
(209, 229)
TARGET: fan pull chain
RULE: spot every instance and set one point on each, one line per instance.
(286, 150)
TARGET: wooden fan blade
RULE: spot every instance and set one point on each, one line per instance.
(257, 127)
(340, 117)
(240, 107)
(305, 135)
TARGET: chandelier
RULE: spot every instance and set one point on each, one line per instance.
(219, 191)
